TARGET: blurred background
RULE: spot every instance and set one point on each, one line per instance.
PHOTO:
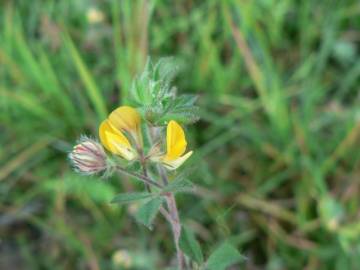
(276, 150)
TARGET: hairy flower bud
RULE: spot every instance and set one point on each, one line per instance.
(88, 157)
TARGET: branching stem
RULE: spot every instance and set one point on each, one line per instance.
(176, 228)
(143, 178)
(171, 214)
(174, 213)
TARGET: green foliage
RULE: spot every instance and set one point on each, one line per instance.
(131, 197)
(90, 86)
(157, 99)
(331, 212)
(75, 185)
(223, 257)
(190, 246)
(179, 185)
(276, 150)
(148, 211)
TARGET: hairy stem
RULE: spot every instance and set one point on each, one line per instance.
(176, 228)
(143, 165)
(163, 211)
(174, 213)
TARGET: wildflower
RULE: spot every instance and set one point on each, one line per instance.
(123, 121)
(127, 119)
(88, 156)
(175, 147)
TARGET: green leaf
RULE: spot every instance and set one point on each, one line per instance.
(148, 211)
(155, 97)
(190, 246)
(81, 187)
(223, 257)
(181, 109)
(179, 185)
(130, 197)
(166, 69)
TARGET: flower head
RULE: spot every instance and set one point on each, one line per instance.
(175, 147)
(123, 121)
(88, 156)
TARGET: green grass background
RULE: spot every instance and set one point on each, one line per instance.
(277, 149)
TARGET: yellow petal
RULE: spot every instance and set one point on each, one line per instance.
(106, 128)
(114, 141)
(125, 118)
(174, 164)
(175, 141)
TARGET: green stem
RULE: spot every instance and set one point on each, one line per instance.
(174, 213)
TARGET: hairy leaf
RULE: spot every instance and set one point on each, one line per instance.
(148, 211)
(223, 257)
(179, 185)
(130, 197)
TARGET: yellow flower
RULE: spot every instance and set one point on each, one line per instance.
(126, 120)
(175, 146)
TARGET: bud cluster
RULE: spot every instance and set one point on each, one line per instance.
(88, 156)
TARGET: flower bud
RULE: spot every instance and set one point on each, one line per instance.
(88, 157)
